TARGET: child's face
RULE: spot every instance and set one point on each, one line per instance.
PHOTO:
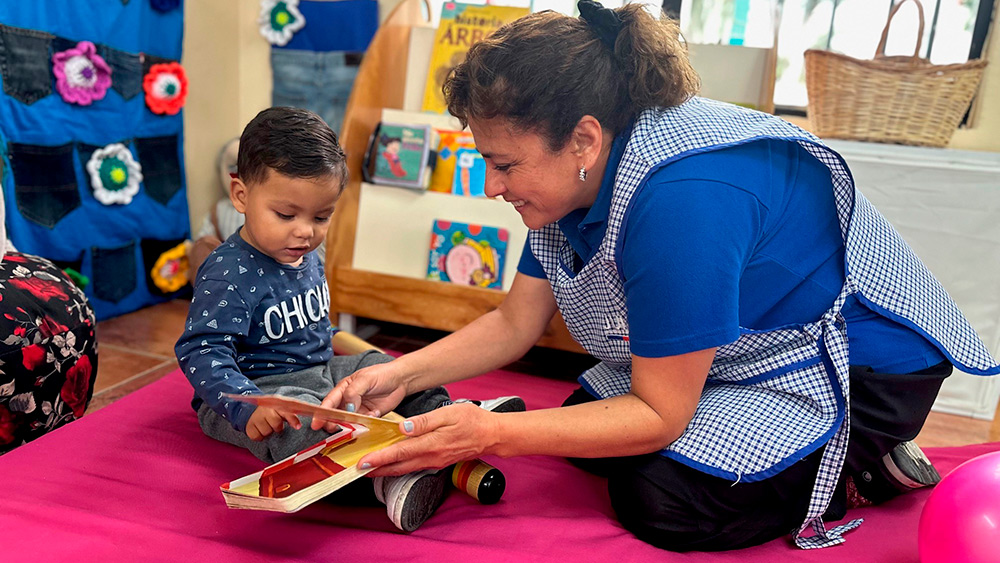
(286, 217)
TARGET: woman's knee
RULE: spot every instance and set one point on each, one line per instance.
(674, 507)
(654, 513)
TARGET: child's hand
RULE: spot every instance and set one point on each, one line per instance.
(264, 421)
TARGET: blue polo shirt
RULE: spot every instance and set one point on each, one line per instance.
(734, 237)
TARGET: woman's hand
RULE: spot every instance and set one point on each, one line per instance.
(374, 390)
(438, 439)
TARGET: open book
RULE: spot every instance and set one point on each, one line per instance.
(313, 473)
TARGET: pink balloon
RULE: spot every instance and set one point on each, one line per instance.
(961, 520)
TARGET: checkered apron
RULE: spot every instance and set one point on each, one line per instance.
(772, 396)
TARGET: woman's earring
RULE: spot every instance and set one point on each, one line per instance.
(583, 174)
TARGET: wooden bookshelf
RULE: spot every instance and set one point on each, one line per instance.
(380, 84)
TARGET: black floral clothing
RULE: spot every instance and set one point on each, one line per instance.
(48, 356)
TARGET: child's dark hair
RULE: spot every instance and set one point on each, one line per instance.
(293, 142)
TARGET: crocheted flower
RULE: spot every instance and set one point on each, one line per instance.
(82, 76)
(279, 20)
(166, 88)
(114, 174)
(164, 5)
(170, 272)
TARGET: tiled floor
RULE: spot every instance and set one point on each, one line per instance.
(138, 348)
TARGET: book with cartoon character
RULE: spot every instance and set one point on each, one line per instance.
(302, 479)
(467, 254)
(400, 154)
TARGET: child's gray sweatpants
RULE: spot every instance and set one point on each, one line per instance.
(310, 385)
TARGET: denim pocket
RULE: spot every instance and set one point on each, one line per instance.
(44, 182)
(24, 63)
(161, 166)
(295, 76)
(149, 60)
(113, 272)
(126, 71)
(318, 81)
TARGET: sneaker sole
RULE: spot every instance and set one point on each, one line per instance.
(513, 404)
(425, 491)
(910, 467)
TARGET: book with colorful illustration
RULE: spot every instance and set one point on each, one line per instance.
(443, 177)
(399, 155)
(315, 472)
(467, 254)
(462, 25)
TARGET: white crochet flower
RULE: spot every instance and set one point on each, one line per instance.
(279, 20)
(114, 174)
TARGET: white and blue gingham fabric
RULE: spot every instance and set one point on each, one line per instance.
(772, 396)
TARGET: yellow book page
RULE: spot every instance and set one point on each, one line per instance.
(345, 454)
(462, 25)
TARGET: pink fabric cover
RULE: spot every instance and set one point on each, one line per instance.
(137, 481)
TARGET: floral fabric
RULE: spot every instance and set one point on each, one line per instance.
(48, 359)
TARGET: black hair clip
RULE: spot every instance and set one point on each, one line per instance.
(604, 21)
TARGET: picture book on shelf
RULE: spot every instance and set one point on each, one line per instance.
(399, 155)
(467, 254)
(443, 177)
(461, 26)
(302, 479)
(470, 173)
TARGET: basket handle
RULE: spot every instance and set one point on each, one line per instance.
(880, 50)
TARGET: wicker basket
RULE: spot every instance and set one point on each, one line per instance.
(903, 99)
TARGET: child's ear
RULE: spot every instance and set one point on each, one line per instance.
(238, 194)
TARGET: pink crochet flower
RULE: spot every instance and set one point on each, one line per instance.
(82, 76)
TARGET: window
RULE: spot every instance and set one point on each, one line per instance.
(954, 31)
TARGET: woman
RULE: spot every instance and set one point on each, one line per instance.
(701, 251)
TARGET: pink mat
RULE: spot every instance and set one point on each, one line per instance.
(138, 481)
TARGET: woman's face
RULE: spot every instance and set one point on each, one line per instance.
(543, 186)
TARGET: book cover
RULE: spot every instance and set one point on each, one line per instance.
(469, 178)
(400, 153)
(461, 26)
(467, 254)
(302, 479)
(443, 177)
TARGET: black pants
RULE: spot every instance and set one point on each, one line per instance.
(672, 506)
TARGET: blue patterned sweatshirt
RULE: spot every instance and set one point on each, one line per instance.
(252, 316)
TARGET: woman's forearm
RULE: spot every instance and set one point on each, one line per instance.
(619, 426)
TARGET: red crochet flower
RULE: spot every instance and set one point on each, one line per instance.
(166, 88)
(74, 391)
(32, 357)
(42, 289)
(7, 426)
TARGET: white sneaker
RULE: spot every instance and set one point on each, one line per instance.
(412, 498)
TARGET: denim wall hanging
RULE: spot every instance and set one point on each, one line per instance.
(95, 167)
(314, 64)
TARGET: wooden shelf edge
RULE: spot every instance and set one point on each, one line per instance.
(425, 303)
